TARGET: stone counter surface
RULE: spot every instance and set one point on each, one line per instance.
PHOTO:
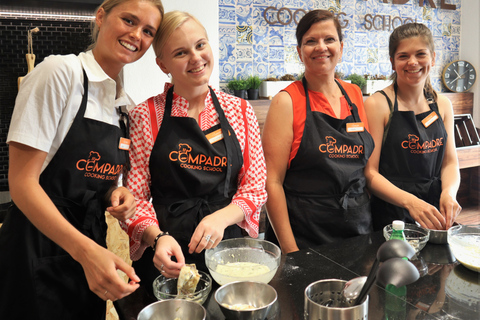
(446, 289)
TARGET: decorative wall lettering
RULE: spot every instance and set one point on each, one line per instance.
(282, 19)
(284, 16)
(443, 5)
(385, 22)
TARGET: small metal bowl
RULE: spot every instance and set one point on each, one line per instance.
(416, 236)
(438, 236)
(166, 288)
(256, 297)
(172, 309)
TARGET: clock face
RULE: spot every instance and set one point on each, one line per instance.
(459, 76)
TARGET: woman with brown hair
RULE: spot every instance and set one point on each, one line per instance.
(413, 171)
(316, 144)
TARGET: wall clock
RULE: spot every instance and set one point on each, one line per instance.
(459, 76)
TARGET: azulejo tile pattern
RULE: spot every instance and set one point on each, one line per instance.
(249, 45)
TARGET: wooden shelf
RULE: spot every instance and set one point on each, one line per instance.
(468, 157)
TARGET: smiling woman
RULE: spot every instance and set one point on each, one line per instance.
(317, 195)
(52, 242)
(413, 172)
(128, 28)
(196, 153)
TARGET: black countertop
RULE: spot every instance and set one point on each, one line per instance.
(445, 290)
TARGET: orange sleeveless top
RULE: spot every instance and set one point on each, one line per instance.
(318, 102)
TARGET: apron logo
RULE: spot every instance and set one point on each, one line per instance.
(340, 151)
(197, 162)
(415, 146)
(94, 169)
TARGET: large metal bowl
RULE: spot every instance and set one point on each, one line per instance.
(172, 309)
(166, 288)
(464, 240)
(256, 298)
(243, 259)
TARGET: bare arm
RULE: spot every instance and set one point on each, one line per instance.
(277, 142)
(450, 173)
(214, 225)
(427, 215)
(99, 264)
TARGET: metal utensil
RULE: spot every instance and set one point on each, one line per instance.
(390, 249)
(352, 289)
(397, 271)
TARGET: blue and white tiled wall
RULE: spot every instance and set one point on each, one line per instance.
(251, 46)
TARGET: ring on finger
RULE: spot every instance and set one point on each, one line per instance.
(211, 240)
(207, 237)
(105, 294)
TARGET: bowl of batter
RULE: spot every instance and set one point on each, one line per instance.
(243, 259)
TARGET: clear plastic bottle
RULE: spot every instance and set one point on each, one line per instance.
(397, 230)
(395, 303)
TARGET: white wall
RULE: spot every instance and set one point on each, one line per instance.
(470, 47)
(144, 78)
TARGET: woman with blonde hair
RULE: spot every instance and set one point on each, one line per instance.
(68, 144)
(413, 172)
(197, 154)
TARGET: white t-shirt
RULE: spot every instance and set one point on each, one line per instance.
(50, 97)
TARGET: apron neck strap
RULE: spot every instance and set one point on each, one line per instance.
(227, 137)
(431, 102)
(352, 106)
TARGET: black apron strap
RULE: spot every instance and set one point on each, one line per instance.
(227, 135)
(390, 106)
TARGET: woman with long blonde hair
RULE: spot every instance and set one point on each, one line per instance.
(67, 148)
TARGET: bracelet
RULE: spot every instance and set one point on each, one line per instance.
(161, 234)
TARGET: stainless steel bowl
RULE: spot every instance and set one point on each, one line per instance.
(438, 236)
(259, 297)
(172, 309)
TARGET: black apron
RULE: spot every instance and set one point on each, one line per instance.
(411, 159)
(190, 179)
(325, 186)
(39, 280)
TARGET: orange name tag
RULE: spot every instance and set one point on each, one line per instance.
(124, 144)
(355, 127)
(215, 136)
(431, 118)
